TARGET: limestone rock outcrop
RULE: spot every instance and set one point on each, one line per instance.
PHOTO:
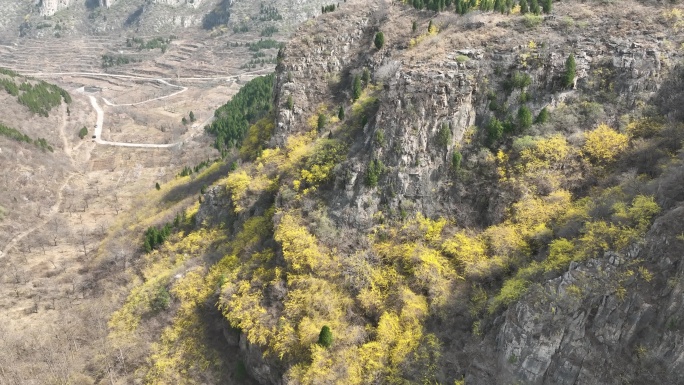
(50, 7)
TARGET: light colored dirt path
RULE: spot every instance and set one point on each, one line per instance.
(62, 134)
(98, 131)
(183, 89)
(100, 113)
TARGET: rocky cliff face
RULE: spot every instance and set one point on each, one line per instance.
(50, 7)
(602, 321)
(177, 3)
(419, 97)
(421, 93)
(599, 322)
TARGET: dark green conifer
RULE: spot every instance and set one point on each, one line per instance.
(356, 87)
(534, 7)
(570, 71)
(524, 118)
(542, 117)
(325, 338)
(379, 40)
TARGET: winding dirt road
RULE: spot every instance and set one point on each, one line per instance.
(183, 89)
(100, 113)
(98, 133)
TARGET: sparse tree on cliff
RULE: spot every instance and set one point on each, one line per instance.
(356, 87)
(524, 118)
(570, 71)
(379, 40)
(542, 117)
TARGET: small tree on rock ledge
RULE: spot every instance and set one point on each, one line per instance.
(356, 88)
(379, 40)
(570, 71)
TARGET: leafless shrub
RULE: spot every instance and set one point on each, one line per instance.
(387, 70)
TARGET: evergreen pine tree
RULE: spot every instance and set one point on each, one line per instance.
(457, 6)
(157, 186)
(356, 87)
(379, 40)
(456, 160)
(570, 71)
(322, 120)
(325, 337)
(534, 7)
(495, 130)
(365, 78)
(523, 7)
(340, 114)
(546, 5)
(500, 6)
(524, 118)
(463, 9)
(414, 26)
(542, 117)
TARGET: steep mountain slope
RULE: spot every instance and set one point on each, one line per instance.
(485, 198)
(35, 135)
(62, 18)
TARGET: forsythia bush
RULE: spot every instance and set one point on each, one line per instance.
(604, 143)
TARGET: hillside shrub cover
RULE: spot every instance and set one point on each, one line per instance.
(290, 277)
(234, 118)
(464, 6)
(17, 135)
(40, 97)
